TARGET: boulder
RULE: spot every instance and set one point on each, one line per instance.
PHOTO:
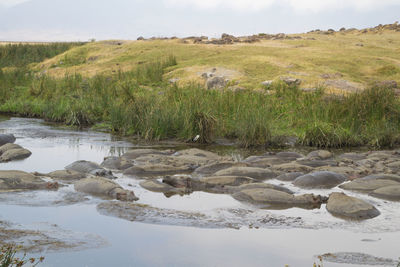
(102, 187)
(116, 163)
(217, 184)
(348, 207)
(212, 168)
(15, 154)
(156, 186)
(290, 176)
(321, 179)
(289, 155)
(21, 181)
(258, 185)
(151, 170)
(266, 161)
(267, 196)
(367, 185)
(135, 153)
(388, 192)
(66, 175)
(215, 82)
(320, 154)
(89, 167)
(252, 172)
(6, 138)
(315, 163)
(9, 146)
(382, 176)
(292, 167)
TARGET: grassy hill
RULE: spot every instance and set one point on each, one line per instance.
(357, 57)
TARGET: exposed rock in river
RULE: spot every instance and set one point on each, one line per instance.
(6, 138)
(321, 179)
(21, 181)
(348, 207)
(89, 167)
(102, 187)
(357, 258)
(252, 172)
(9, 152)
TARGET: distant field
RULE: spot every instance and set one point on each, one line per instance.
(357, 58)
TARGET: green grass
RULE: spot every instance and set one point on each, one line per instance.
(139, 103)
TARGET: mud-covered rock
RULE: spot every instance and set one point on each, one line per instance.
(91, 168)
(156, 186)
(367, 185)
(135, 153)
(267, 196)
(234, 189)
(348, 207)
(6, 138)
(252, 172)
(103, 187)
(289, 176)
(151, 170)
(212, 168)
(319, 180)
(116, 163)
(319, 154)
(15, 154)
(292, 167)
(22, 181)
(388, 192)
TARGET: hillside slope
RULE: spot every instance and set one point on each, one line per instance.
(345, 60)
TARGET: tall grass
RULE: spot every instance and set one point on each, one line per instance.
(140, 103)
(20, 55)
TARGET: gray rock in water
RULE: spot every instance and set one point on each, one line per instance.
(212, 168)
(156, 186)
(367, 185)
(15, 154)
(314, 163)
(8, 146)
(150, 170)
(116, 163)
(234, 189)
(6, 138)
(290, 176)
(135, 153)
(348, 207)
(388, 192)
(252, 172)
(215, 82)
(102, 187)
(21, 181)
(89, 167)
(320, 154)
(64, 175)
(382, 176)
(267, 196)
(321, 179)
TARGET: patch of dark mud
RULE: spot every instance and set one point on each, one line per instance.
(357, 258)
(45, 237)
(219, 218)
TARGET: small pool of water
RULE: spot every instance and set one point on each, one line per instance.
(125, 243)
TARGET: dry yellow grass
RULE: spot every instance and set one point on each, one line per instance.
(355, 57)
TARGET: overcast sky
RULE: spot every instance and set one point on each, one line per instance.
(67, 20)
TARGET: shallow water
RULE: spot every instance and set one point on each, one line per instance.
(118, 242)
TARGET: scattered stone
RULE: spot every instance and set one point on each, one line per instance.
(102, 187)
(6, 138)
(322, 179)
(216, 82)
(291, 81)
(267, 83)
(348, 207)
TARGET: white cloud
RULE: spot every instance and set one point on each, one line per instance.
(301, 5)
(10, 3)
